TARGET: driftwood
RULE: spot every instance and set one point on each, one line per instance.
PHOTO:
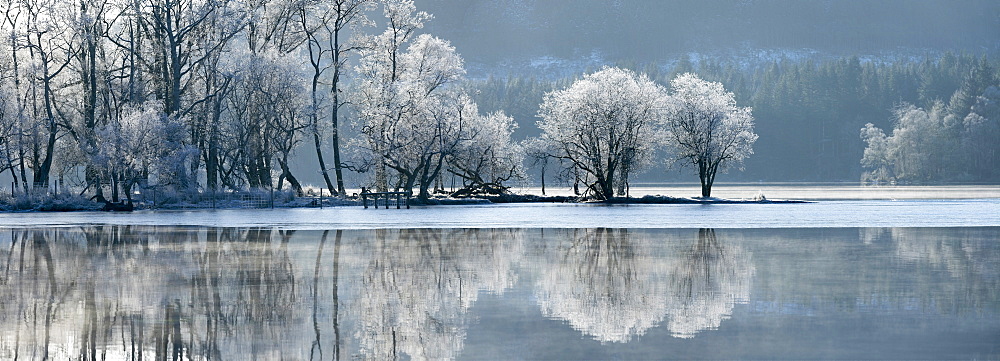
(110, 206)
(117, 207)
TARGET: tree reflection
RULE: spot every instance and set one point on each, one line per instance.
(614, 284)
(124, 292)
(142, 293)
(968, 256)
(606, 283)
(709, 280)
(419, 284)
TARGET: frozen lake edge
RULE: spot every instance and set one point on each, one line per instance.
(826, 214)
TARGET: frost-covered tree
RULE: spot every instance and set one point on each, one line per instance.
(933, 144)
(416, 119)
(603, 124)
(876, 156)
(43, 35)
(144, 144)
(538, 152)
(379, 102)
(915, 150)
(412, 109)
(263, 117)
(486, 158)
(706, 129)
(10, 132)
(324, 24)
(981, 135)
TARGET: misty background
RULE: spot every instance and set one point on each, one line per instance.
(815, 72)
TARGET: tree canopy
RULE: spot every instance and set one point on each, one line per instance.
(603, 124)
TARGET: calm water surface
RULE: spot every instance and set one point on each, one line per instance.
(836, 214)
(143, 292)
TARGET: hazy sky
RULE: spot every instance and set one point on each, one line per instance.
(486, 30)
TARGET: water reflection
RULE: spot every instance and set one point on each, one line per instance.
(614, 284)
(108, 292)
(606, 283)
(420, 283)
(144, 293)
(711, 277)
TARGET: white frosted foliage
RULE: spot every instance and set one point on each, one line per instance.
(603, 124)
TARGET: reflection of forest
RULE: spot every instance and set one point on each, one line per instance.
(129, 292)
(613, 284)
(121, 292)
(969, 257)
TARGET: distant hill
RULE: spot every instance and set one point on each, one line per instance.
(494, 31)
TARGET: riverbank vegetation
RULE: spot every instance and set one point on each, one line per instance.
(110, 100)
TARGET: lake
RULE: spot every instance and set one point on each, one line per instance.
(842, 213)
(679, 281)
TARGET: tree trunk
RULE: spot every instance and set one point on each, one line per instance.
(335, 120)
(287, 173)
(94, 179)
(314, 118)
(212, 165)
(42, 176)
(381, 177)
(337, 166)
(322, 163)
(607, 189)
(706, 173)
(114, 188)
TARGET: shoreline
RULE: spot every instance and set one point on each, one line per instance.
(72, 204)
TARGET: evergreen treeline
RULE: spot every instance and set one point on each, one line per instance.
(808, 113)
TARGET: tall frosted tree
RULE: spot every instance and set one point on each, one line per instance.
(412, 111)
(706, 128)
(324, 24)
(46, 35)
(603, 125)
(376, 96)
